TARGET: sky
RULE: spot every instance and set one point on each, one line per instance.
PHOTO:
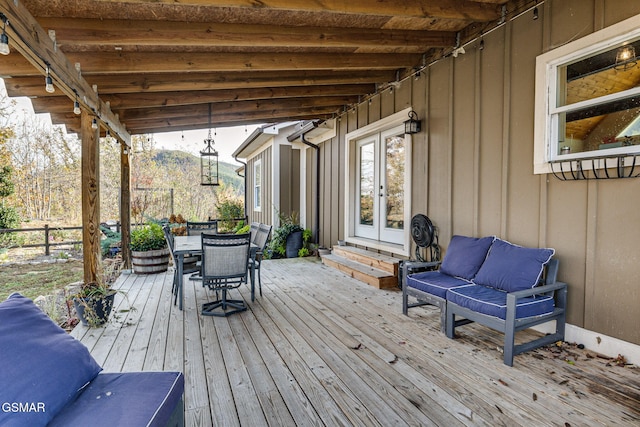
(226, 139)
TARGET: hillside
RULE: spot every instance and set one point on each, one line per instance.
(183, 160)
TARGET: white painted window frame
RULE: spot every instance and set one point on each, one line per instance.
(546, 111)
(257, 184)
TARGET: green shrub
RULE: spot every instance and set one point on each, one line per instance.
(244, 229)
(148, 238)
(9, 218)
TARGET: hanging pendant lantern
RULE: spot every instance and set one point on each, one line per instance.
(209, 160)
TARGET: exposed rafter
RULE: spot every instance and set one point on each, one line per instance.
(35, 46)
(156, 64)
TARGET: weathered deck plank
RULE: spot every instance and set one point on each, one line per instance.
(320, 348)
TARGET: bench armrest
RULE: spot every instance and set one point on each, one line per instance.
(560, 288)
(537, 290)
(411, 265)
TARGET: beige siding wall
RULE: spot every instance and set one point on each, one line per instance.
(289, 175)
(473, 165)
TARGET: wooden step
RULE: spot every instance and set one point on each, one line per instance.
(372, 259)
(377, 278)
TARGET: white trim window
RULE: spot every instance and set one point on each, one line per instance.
(588, 98)
(257, 185)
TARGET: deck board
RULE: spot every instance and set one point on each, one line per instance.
(320, 348)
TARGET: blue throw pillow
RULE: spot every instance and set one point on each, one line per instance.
(41, 366)
(465, 255)
(511, 268)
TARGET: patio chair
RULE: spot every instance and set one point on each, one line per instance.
(225, 266)
(253, 230)
(189, 266)
(261, 239)
(196, 228)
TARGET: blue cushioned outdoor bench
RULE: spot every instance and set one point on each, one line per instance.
(50, 378)
(495, 283)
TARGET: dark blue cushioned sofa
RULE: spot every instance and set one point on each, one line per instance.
(493, 282)
(49, 379)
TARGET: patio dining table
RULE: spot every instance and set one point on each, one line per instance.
(192, 245)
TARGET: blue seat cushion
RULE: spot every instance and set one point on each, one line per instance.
(493, 302)
(511, 268)
(465, 255)
(40, 364)
(434, 282)
(125, 399)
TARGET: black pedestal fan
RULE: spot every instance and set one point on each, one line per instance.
(425, 237)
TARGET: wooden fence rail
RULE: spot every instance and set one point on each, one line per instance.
(47, 230)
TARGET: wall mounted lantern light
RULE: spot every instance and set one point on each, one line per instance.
(413, 125)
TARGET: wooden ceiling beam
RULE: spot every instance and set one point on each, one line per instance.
(239, 107)
(233, 119)
(147, 83)
(180, 62)
(37, 50)
(169, 99)
(88, 32)
(181, 123)
(481, 10)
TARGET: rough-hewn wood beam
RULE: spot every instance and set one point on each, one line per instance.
(202, 122)
(233, 119)
(450, 9)
(157, 33)
(36, 50)
(144, 62)
(168, 99)
(202, 110)
(160, 82)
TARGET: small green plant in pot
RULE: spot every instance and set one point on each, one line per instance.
(289, 238)
(94, 301)
(149, 250)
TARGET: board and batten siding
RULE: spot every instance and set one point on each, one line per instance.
(472, 165)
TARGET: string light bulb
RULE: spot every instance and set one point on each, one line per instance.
(48, 82)
(76, 106)
(94, 124)
(4, 38)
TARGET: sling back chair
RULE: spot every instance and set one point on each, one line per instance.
(261, 239)
(190, 264)
(225, 266)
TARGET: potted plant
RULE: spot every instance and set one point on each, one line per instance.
(289, 238)
(149, 250)
(94, 300)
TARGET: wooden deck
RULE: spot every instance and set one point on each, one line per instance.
(319, 348)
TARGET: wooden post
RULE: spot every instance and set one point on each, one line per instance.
(47, 252)
(125, 204)
(90, 198)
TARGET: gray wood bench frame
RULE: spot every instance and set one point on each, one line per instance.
(508, 326)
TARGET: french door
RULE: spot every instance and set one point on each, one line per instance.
(380, 186)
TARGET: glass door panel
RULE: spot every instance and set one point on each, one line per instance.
(392, 172)
(367, 182)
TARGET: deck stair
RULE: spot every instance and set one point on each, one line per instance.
(377, 270)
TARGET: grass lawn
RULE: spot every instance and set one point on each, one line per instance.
(33, 280)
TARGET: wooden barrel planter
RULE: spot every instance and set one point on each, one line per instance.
(147, 262)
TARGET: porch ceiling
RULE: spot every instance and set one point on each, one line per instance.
(159, 65)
